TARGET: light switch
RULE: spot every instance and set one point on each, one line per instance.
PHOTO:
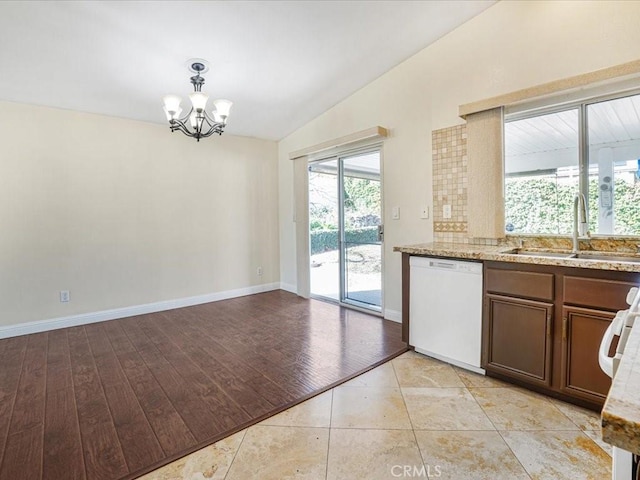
(424, 211)
(446, 211)
(395, 213)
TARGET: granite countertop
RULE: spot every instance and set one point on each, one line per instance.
(621, 412)
(505, 253)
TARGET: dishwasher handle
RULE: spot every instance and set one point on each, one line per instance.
(443, 264)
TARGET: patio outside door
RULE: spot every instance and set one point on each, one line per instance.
(346, 229)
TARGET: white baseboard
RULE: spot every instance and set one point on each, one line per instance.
(288, 287)
(101, 316)
(393, 315)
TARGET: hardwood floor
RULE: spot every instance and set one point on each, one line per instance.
(114, 400)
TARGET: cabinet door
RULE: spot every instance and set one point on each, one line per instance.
(582, 331)
(518, 338)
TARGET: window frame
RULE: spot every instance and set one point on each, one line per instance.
(536, 109)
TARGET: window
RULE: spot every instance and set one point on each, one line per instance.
(591, 148)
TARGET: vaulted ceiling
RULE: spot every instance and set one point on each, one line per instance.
(282, 63)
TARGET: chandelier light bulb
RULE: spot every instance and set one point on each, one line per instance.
(193, 120)
(172, 105)
(222, 108)
(199, 101)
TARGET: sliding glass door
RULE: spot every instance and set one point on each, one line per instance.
(346, 231)
(324, 229)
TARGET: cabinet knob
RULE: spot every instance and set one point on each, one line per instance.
(565, 322)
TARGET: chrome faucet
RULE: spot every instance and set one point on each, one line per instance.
(580, 225)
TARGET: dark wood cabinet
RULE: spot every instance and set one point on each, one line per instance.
(518, 324)
(582, 330)
(519, 338)
(589, 305)
(542, 326)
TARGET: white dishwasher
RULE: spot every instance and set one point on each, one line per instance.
(445, 310)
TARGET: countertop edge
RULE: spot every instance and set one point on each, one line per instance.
(621, 411)
(502, 254)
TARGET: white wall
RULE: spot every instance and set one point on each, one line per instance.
(510, 46)
(125, 213)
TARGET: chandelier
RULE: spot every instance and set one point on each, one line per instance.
(197, 123)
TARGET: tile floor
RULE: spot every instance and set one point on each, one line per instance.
(413, 417)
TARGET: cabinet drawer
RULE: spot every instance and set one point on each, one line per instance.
(593, 292)
(520, 284)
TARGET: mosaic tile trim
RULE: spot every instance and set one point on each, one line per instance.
(450, 227)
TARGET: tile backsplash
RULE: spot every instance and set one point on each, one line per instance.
(449, 150)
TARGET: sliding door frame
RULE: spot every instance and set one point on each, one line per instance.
(340, 157)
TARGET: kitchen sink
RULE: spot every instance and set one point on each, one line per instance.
(536, 253)
(605, 257)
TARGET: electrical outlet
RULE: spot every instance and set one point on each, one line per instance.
(64, 296)
(259, 271)
(424, 212)
(446, 211)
